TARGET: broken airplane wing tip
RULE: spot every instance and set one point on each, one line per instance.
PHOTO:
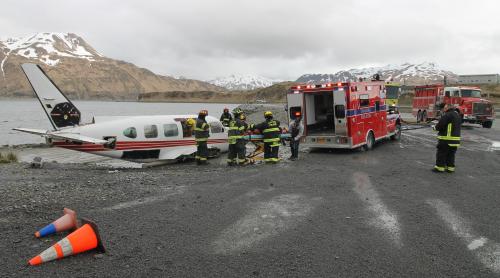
(62, 135)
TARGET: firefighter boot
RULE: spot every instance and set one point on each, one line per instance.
(438, 169)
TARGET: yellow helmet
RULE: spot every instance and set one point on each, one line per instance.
(190, 121)
(268, 114)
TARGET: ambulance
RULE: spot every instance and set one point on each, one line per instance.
(344, 115)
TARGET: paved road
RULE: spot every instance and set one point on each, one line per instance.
(380, 213)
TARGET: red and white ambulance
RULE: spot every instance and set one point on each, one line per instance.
(343, 115)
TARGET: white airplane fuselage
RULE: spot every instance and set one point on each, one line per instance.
(144, 138)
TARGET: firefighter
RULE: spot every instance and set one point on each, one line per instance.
(271, 131)
(190, 123)
(226, 117)
(201, 135)
(448, 129)
(237, 145)
(242, 144)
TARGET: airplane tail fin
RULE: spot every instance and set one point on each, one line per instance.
(59, 109)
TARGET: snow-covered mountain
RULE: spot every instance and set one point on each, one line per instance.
(80, 71)
(243, 82)
(409, 74)
(48, 48)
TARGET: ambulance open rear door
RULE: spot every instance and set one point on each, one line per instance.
(295, 102)
(339, 106)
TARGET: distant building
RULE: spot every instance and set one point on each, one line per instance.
(479, 79)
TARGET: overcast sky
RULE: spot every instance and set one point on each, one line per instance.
(284, 39)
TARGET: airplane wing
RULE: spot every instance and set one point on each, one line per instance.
(62, 135)
(175, 153)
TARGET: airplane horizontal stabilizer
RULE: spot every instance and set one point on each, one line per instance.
(40, 132)
(62, 135)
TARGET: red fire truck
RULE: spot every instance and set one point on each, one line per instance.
(466, 100)
(343, 115)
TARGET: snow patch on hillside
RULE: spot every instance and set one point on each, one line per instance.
(243, 82)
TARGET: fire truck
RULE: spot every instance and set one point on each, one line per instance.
(343, 115)
(466, 100)
(393, 91)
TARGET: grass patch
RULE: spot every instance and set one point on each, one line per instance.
(8, 157)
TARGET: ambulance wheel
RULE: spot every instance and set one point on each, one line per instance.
(487, 124)
(419, 115)
(370, 141)
(397, 136)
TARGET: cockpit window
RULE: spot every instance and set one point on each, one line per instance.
(170, 130)
(150, 131)
(216, 127)
(130, 132)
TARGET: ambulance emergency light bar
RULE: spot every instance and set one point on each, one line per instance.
(328, 85)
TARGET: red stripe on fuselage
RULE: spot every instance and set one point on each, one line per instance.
(131, 145)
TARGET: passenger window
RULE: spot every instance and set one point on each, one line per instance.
(130, 132)
(150, 131)
(339, 111)
(364, 100)
(456, 93)
(447, 93)
(170, 130)
(216, 127)
(377, 105)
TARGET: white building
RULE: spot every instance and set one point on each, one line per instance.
(479, 79)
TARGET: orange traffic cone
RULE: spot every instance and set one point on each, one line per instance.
(66, 222)
(84, 239)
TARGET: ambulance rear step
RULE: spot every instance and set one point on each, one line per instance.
(329, 141)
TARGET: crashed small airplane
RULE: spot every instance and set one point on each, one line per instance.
(134, 138)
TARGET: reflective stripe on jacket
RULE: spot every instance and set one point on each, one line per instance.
(236, 131)
(271, 131)
(201, 132)
(448, 128)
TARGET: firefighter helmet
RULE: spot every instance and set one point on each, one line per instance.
(268, 114)
(237, 111)
(190, 122)
(203, 113)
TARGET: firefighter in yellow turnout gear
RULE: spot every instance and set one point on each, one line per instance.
(448, 129)
(237, 145)
(201, 134)
(271, 131)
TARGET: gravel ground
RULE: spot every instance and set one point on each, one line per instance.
(380, 213)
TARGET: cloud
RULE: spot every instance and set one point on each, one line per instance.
(277, 39)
